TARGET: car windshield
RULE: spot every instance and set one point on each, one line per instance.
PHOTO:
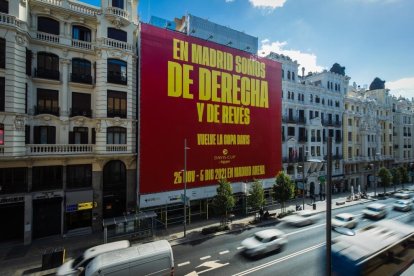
(400, 202)
(373, 209)
(77, 261)
(260, 239)
(341, 218)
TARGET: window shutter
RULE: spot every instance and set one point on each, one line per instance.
(36, 134)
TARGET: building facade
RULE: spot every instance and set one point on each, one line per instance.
(67, 115)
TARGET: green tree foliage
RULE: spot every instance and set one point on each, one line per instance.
(283, 189)
(385, 176)
(396, 177)
(336, 68)
(224, 200)
(256, 198)
(404, 175)
(377, 83)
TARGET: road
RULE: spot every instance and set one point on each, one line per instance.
(304, 254)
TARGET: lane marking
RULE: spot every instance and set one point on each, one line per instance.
(262, 266)
(240, 247)
(224, 252)
(186, 263)
(205, 257)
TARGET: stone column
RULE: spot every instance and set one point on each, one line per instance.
(97, 184)
(64, 97)
(28, 219)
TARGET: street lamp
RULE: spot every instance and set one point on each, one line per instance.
(185, 186)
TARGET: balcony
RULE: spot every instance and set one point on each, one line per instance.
(62, 149)
(80, 112)
(116, 113)
(87, 79)
(293, 120)
(116, 148)
(331, 123)
(10, 20)
(72, 6)
(117, 15)
(53, 110)
(117, 79)
(113, 43)
(292, 159)
(82, 44)
(47, 74)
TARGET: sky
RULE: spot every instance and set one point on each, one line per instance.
(371, 38)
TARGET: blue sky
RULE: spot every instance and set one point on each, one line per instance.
(371, 38)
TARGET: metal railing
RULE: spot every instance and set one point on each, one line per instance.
(47, 74)
(116, 148)
(117, 12)
(80, 112)
(53, 110)
(81, 78)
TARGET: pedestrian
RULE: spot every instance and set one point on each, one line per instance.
(261, 213)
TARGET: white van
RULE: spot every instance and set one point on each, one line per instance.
(75, 266)
(154, 258)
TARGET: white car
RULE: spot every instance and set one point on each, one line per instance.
(402, 195)
(375, 211)
(302, 218)
(75, 266)
(345, 220)
(264, 242)
(402, 205)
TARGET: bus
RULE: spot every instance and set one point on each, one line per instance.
(383, 248)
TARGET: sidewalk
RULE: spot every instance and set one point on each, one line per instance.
(25, 260)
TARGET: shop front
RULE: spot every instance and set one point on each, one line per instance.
(78, 210)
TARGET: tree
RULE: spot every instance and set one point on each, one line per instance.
(336, 68)
(404, 175)
(385, 176)
(283, 189)
(256, 198)
(396, 177)
(224, 200)
(377, 83)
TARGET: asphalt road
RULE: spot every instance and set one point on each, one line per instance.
(304, 254)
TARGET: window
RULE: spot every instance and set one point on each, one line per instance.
(117, 34)
(48, 25)
(349, 136)
(29, 56)
(283, 74)
(81, 71)
(116, 135)
(81, 33)
(44, 135)
(47, 102)
(79, 135)
(13, 180)
(2, 94)
(349, 122)
(293, 75)
(4, 6)
(117, 71)
(81, 105)
(2, 53)
(118, 4)
(27, 134)
(79, 176)
(291, 131)
(117, 104)
(47, 66)
(1, 134)
(46, 178)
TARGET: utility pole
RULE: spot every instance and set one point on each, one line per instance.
(185, 187)
(329, 209)
(303, 177)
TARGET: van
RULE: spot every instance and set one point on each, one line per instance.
(154, 258)
(74, 266)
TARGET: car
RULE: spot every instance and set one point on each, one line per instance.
(402, 195)
(402, 205)
(302, 218)
(345, 220)
(375, 211)
(263, 242)
(76, 266)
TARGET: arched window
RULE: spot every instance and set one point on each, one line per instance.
(81, 71)
(117, 71)
(81, 33)
(48, 25)
(116, 135)
(47, 66)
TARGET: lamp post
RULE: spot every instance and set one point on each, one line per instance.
(329, 208)
(185, 186)
(303, 177)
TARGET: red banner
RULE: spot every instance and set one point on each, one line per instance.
(226, 103)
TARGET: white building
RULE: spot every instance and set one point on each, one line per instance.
(67, 115)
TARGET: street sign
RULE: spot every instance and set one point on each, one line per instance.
(322, 179)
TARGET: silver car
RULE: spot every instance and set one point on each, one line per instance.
(302, 218)
(375, 211)
(263, 242)
(345, 220)
(402, 205)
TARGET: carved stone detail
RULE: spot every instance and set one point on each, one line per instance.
(19, 123)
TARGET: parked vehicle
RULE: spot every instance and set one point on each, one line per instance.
(264, 242)
(154, 258)
(375, 211)
(344, 220)
(402, 205)
(75, 266)
(302, 218)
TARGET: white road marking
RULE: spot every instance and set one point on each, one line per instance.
(186, 263)
(240, 247)
(224, 252)
(205, 257)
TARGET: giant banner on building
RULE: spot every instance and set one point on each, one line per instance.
(224, 102)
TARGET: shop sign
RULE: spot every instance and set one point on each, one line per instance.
(85, 206)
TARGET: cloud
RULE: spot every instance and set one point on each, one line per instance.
(403, 87)
(267, 4)
(307, 60)
(228, 1)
